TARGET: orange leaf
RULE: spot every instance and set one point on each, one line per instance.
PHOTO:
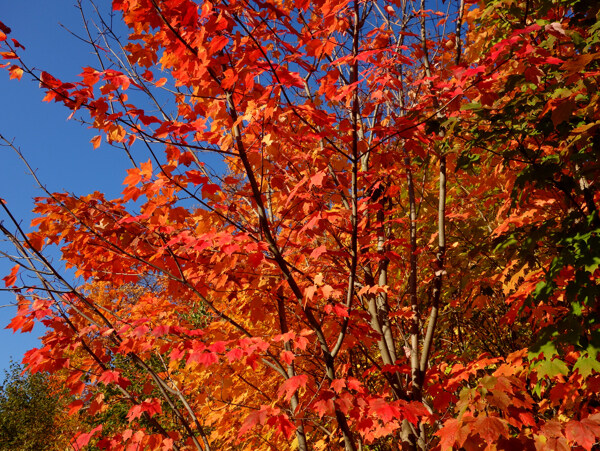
(584, 432)
(16, 72)
(489, 428)
(11, 279)
(84, 439)
(96, 141)
(9, 55)
(338, 385)
(116, 133)
(290, 386)
(287, 357)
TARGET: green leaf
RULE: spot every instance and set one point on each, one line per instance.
(471, 106)
(544, 345)
(592, 265)
(542, 291)
(586, 365)
(466, 160)
(552, 368)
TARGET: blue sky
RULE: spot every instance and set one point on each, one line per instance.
(58, 149)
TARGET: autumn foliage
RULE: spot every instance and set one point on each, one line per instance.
(357, 225)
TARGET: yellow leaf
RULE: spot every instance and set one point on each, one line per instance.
(267, 139)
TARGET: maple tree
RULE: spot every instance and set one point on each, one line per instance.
(399, 247)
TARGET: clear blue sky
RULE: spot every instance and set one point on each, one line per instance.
(58, 149)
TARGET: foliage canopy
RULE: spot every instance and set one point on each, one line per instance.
(398, 249)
